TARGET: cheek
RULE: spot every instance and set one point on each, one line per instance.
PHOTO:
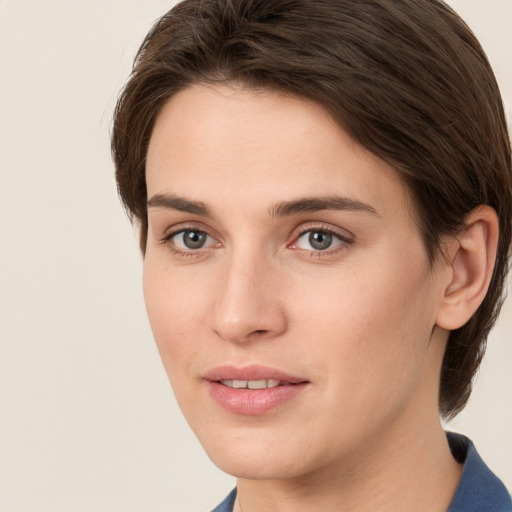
(370, 330)
(175, 309)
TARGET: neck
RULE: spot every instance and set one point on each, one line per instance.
(408, 470)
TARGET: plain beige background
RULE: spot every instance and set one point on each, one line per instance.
(87, 419)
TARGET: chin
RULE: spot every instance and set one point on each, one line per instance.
(258, 457)
(256, 467)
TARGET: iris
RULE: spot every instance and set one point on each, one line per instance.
(320, 240)
(194, 239)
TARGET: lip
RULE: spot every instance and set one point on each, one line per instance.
(252, 401)
(250, 372)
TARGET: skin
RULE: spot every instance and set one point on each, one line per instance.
(360, 321)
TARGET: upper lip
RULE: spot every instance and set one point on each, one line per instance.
(250, 372)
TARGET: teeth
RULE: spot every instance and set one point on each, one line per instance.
(257, 384)
(251, 384)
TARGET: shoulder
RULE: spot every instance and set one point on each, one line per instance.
(227, 504)
(479, 489)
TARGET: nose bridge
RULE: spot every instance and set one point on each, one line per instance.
(248, 304)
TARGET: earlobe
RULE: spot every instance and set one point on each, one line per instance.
(471, 255)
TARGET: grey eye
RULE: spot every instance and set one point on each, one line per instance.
(192, 239)
(318, 240)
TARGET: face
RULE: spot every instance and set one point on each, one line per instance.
(286, 283)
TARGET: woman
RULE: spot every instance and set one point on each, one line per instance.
(323, 191)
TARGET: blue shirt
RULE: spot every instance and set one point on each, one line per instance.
(479, 489)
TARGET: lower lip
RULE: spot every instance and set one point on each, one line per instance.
(253, 401)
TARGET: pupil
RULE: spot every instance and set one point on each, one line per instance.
(320, 240)
(194, 239)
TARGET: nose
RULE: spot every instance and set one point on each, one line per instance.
(249, 305)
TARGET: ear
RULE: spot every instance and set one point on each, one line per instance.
(470, 257)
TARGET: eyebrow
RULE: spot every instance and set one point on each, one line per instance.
(181, 204)
(314, 204)
(283, 209)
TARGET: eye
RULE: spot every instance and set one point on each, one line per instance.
(318, 240)
(190, 239)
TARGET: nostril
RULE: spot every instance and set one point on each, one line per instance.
(230, 335)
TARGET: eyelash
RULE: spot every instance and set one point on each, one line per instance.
(167, 240)
(344, 241)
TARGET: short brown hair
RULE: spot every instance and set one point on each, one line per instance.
(407, 79)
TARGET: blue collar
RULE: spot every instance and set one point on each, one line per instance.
(227, 504)
(479, 489)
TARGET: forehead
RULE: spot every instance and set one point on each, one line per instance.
(241, 144)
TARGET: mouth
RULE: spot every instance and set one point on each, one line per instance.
(251, 376)
(252, 384)
(252, 390)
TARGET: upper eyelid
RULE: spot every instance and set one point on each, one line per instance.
(186, 226)
(304, 227)
(171, 233)
(329, 232)
(342, 233)
(342, 241)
